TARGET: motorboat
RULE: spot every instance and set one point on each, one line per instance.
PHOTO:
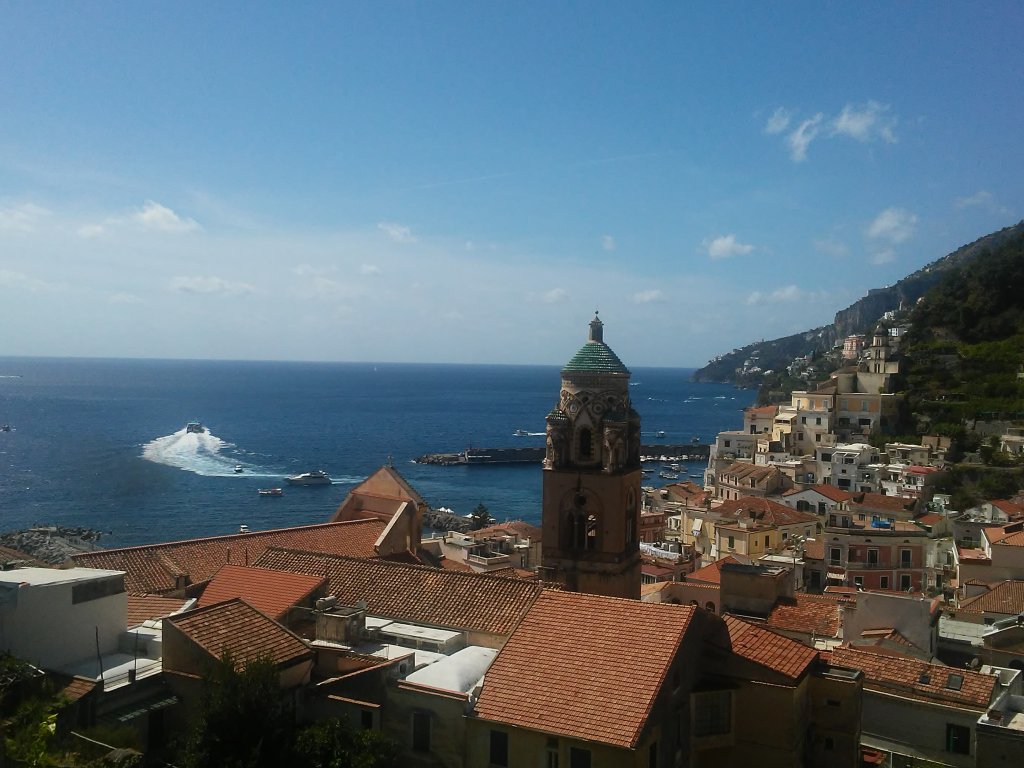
(194, 427)
(665, 475)
(270, 492)
(316, 477)
(661, 433)
(239, 469)
(520, 433)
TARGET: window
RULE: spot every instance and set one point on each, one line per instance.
(883, 582)
(803, 419)
(552, 752)
(958, 739)
(872, 556)
(586, 444)
(728, 443)
(499, 748)
(712, 713)
(904, 558)
(766, 542)
(732, 542)
(905, 582)
(817, 421)
(579, 758)
(834, 555)
(858, 582)
(420, 732)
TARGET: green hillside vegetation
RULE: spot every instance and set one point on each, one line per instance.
(965, 346)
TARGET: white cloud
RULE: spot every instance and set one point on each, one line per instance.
(162, 219)
(893, 225)
(779, 121)
(90, 231)
(24, 282)
(369, 269)
(124, 298)
(830, 247)
(726, 246)
(608, 242)
(800, 139)
(210, 285)
(555, 296)
(787, 294)
(397, 232)
(865, 122)
(883, 256)
(648, 296)
(981, 197)
(22, 217)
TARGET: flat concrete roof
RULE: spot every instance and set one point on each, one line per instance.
(38, 577)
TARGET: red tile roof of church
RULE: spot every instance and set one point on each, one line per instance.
(154, 568)
(563, 670)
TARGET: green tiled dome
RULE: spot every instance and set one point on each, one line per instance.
(596, 356)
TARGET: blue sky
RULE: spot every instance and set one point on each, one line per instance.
(468, 182)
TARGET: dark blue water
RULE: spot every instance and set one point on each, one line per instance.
(101, 443)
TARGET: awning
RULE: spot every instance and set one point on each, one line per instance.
(838, 575)
(695, 528)
(141, 708)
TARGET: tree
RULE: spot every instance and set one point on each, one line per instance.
(242, 721)
(481, 517)
(332, 744)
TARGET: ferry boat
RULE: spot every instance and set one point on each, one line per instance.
(317, 477)
(195, 427)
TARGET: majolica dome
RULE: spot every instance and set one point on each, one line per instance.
(595, 355)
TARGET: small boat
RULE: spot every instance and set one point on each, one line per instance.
(5, 428)
(661, 433)
(520, 433)
(668, 475)
(317, 477)
(194, 427)
(239, 469)
(243, 528)
(270, 492)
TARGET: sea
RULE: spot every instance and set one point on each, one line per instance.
(101, 444)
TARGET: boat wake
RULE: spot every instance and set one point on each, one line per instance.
(201, 453)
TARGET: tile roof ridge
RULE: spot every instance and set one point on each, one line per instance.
(226, 536)
(398, 564)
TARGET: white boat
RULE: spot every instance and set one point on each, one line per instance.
(317, 477)
(270, 492)
(238, 469)
(665, 475)
(195, 427)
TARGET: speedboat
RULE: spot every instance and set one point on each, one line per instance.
(270, 492)
(317, 477)
(661, 433)
(195, 427)
(520, 433)
(239, 469)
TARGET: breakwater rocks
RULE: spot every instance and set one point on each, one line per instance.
(536, 455)
(53, 544)
(437, 520)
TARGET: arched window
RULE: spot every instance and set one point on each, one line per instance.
(591, 543)
(586, 444)
(631, 534)
(710, 606)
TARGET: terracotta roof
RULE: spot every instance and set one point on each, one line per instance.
(768, 649)
(72, 687)
(470, 601)
(766, 512)
(514, 527)
(743, 470)
(832, 492)
(1006, 597)
(972, 553)
(272, 592)
(763, 410)
(237, 628)
(1009, 508)
(930, 518)
(1010, 535)
(454, 565)
(712, 573)
(814, 549)
(881, 502)
(152, 569)
(916, 679)
(142, 608)
(585, 667)
(807, 613)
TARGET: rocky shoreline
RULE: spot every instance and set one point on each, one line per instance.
(52, 544)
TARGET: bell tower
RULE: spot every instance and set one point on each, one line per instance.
(591, 499)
